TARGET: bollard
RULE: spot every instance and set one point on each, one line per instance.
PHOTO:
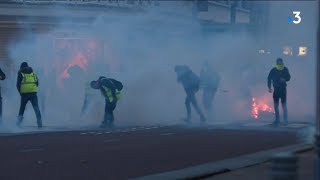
(317, 149)
(284, 166)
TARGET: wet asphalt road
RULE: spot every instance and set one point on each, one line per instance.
(125, 154)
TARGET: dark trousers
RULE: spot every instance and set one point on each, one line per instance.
(42, 103)
(207, 98)
(0, 107)
(191, 99)
(280, 94)
(33, 98)
(108, 112)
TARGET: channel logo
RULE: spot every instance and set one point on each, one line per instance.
(296, 19)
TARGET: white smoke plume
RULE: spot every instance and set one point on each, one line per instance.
(141, 50)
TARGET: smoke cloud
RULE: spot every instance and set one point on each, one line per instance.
(141, 50)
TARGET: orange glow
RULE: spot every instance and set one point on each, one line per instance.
(71, 52)
(259, 106)
(78, 60)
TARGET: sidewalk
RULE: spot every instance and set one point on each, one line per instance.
(263, 171)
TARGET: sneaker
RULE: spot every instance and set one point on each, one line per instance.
(103, 126)
(203, 123)
(39, 123)
(203, 119)
(110, 125)
(275, 123)
(187, 120)
(19, 121)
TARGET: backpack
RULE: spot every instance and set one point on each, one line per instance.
(117, 84)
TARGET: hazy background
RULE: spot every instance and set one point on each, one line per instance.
(143, 55)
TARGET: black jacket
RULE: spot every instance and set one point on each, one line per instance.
(27, 70)
(189, 80)
(111, 84)
(275, 76)
(2, 75)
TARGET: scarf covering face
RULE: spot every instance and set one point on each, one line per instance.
(279, 67)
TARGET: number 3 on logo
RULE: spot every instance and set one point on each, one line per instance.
(297, 19)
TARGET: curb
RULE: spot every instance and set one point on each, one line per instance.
(227, 165)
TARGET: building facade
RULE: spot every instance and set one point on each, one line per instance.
(41, 16)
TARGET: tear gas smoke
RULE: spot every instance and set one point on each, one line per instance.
(141, 50)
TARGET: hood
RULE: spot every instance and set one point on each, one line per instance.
(27, 70)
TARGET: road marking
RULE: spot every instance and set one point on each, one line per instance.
(256, 124)
(295, 125)
(166, 134)
(111, 140)
(219, 123)
(31, 150)
(125, 131)
(40, 162)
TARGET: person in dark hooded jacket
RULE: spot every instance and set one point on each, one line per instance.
(27, 86)
(279, 76)
(191, 85)
(2, 77)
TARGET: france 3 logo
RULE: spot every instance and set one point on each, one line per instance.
(296, 19)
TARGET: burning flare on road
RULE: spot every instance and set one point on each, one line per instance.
(259, 106)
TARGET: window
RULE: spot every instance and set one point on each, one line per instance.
(302, 51)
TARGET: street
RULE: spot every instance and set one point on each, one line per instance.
(131, 152)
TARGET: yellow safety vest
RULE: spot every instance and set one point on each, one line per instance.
(29, 83)
(109, 93)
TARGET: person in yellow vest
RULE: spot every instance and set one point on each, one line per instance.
(27, 85)
(111, 90)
